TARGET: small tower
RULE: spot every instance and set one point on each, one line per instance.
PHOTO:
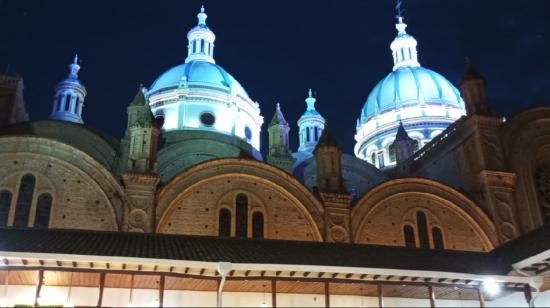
(140, 173)
(279, 146)
(403, 145)
(201, 41)
(69, 97)
(311, 126)
(330, 182)
(472, 89)
(329, 164)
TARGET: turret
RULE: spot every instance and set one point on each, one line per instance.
(472, 89)
(311, 126)
(142, 136)
(69, 97)
(140, 178)
(404, 146)
(279, 146)
(330, 183)
(328, 156)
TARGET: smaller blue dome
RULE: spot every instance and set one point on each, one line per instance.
(197, 72)
(410, 85)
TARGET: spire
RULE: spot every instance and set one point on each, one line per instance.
(472, 89)
(201, 41)
(403, 145)
(279, 145)
(139, 99)
(404, 45)
(328, 156)
(202, 17)
(402, 134)
(74, 68)
(69, 96)
(139, 112)
(310, 101)
(470, 73)
(278, 118)
(327, 139)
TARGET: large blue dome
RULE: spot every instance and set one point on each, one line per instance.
(197, 73)
(407, 86)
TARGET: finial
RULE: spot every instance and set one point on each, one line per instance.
(399, 11)
(202, 16)
(310, 100)
(74, 68)
(278, 107)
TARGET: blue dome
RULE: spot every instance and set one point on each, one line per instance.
(197, 72)
(410, 85)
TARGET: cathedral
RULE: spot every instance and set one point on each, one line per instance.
(442, 204)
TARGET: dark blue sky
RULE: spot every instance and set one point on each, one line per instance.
(276, 49)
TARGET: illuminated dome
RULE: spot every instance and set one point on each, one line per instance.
(201, 95)
(410, 86)
(423, 100)
(198, 73)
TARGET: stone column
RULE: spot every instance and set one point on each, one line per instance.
(498, 188)
(337, 217)
(140, 202)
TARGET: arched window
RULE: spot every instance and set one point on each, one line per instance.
(258, 225)
(194, 46)
(5, 202)
(202, 46)
(307, 134)
(391, 150)
(437, 237)
(24, 199)
(316, 133)
(241, 203)
(373, 158)
(542, 183)
(422, 227)
(68, 102)
(43, 210)
(224, 223)
(408, 235)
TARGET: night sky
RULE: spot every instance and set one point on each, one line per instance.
(276, 49)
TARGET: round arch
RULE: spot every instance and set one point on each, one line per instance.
(51, 152)
(197, 176)
(526, 142)
(429, 191)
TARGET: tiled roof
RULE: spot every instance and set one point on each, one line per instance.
(213, 249)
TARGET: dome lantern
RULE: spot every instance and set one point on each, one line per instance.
(69, 97)
(404, 47)
(201, 41)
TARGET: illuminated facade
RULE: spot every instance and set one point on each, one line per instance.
(423, 100)
(201, 95)
(184, 212)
